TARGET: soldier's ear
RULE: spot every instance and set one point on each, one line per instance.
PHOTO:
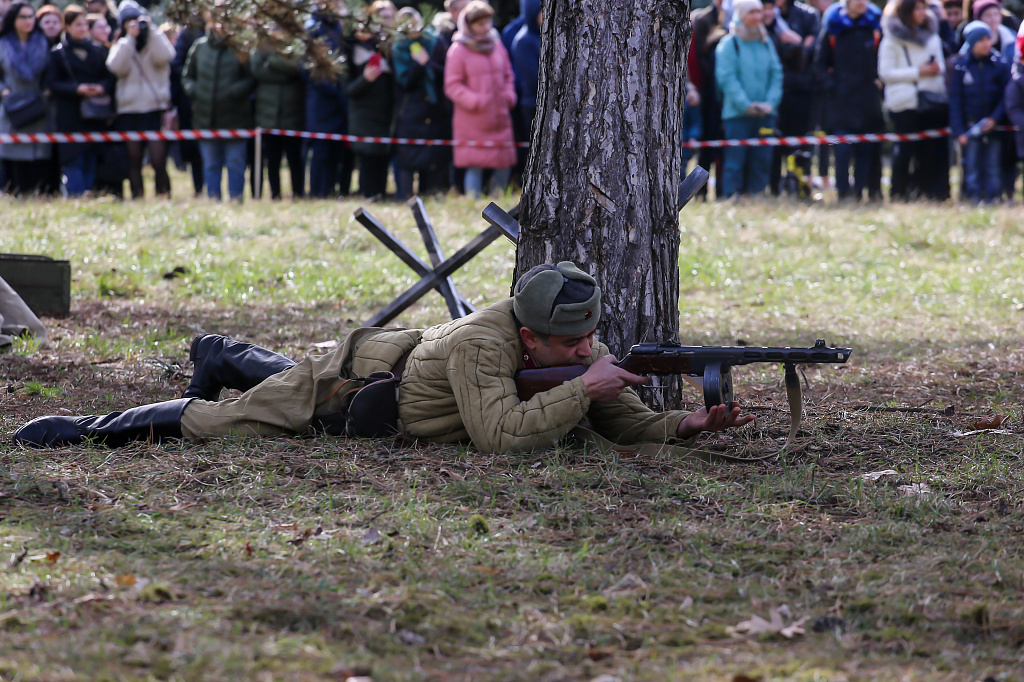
(530, 338)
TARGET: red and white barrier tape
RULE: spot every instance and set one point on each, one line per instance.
(131, 136)
(242, 134)
(417, 141)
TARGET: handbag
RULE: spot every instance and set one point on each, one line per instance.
(24, 107)
(928, 101)
(96, 108)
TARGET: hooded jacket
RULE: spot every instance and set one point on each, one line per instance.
(976, 89)
(1014, 103)
(747, 71)
(280, 92)
(482, 90)
(902, 53)
(846, 59)
(525, 54)
(219, 84)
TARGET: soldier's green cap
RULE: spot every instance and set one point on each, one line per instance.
(559, 300)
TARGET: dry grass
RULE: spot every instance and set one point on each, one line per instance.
(316, 559)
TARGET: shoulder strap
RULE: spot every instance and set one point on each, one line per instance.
(909, 63)
(67, 62)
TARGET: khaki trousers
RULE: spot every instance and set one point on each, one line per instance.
(284, 404)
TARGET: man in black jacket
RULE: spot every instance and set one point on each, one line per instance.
(793, 28)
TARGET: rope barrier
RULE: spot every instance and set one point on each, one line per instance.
(242, 134)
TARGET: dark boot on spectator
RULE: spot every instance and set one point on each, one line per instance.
(147, 422)
(222, 363)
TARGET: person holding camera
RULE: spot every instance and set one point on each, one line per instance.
(141, 60)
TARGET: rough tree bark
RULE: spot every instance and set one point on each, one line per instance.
(601, 184)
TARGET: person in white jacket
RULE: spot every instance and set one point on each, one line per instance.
(911, 64)
(141, 60)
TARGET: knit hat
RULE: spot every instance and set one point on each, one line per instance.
(129, 9)
(558, 299)
(975, 31)
(741, 8)
(981, 5)
(476, 11)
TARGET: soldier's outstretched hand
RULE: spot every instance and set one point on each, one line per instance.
(718, 418)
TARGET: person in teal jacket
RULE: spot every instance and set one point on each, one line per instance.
(749, 77)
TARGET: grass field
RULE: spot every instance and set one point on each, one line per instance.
(325, 559)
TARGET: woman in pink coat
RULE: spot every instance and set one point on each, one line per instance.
(478, 80)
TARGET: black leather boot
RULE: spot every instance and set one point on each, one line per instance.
(221, 363)
(153, 422)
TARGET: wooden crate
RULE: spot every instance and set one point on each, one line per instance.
(43, 283)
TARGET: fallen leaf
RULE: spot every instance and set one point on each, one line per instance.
(914, 489)
(52, 557)
(628, 583)
(875, 475)
(994, 423)
(126, 580)
(758, 625)
(305, 535)
(597, 654)
(795, 628)
(248, 549)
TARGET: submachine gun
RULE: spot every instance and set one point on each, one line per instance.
(713, 363)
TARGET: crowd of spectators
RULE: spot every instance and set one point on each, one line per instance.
(98, 68)
(756, 68)
(761, 68)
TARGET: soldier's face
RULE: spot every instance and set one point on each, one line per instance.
(558, 350)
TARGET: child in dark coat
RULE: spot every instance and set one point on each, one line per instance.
(976, 90)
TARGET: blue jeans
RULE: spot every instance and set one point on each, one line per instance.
(218, 154)
(861, 155)
(745, 170)
(475, 180)
(693, 125)
(80, 173)
(983, 168)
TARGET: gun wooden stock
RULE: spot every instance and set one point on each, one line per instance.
(530, 382)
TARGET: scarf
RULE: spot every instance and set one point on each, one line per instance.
(745, 33)
(483, 44)
(28, 60)
(402, 58)
(80, 49)
(918, 35)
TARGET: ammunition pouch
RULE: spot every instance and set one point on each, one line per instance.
(368, 410)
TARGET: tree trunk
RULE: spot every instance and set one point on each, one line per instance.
(601, 184)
